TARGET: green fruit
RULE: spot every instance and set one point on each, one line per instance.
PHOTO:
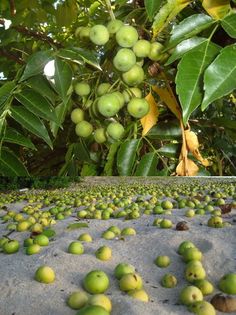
(85, 237)
(82, 88)
(162, 261)
(93, 310)
(190, 295)
(104, 253)
(103, 88)
(11, 247)
(142, 48)
(108, 235)
(123, 269)
(184, 245)
(41, 240)
(194, 272)
(45, 274)
(84, 129)
(168, 281)
(134, 76)
(166, 224)
(99, 34)
(108, 105)
(190, 213)
(114, 229)
(22, 226)
(131, 93)
(101, 300)
(128, 231)
(130, 282)
(138, 107)
(227, 283)
(3, 241)
(124, 60)
(77, 300)
(202, 308)
(126, 36)
(114, 26)
(215, 222)
(167, 205)
(205, 286)
(83, 32)
(96, 282)
(76, 248)
(77, 115)
(139, 295)
(192, 253)
(115, 130)
(100, 135)
(32, 249)
(120, 97)
(155, 52)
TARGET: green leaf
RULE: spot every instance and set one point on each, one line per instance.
(189, 27)
(43, 88)
(88, 170)
(88, 56)
(229, 25)
(10, 165)
(109, 166)
(170, 150)
(62, 77)
(220, 76)
(60, 111)
(5, 92)
(13, 136)
(183, 48)
(74, 226)
(147, 165)
(49, 232)
(30, 122)
(81, 151)
(152, 7)
(126, 156)
(36, 64)
(189, 78)
(37, 104)
(166, 131)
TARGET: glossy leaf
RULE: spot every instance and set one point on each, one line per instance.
(189, 78)
(183, 47)
(80, 56)
(189, 27)
(216, 8)
(229, 24)
(170, 150)
(167, 13)
(37, 104)
(36, 64)
(147, 165)
(220, 76)
(30, 122)
(151, 7)
(43, 88)
(6, 91)
(81, 151)
(10, 165)
(149, 120)
(49, 232)
(62, 77)
(166, 131)
(13, 136)
(109, 166)
(60, 111)
(126, 156)
(88, 169)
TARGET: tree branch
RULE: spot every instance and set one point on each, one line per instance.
(11, 56)
(36, 34)
(12, 7)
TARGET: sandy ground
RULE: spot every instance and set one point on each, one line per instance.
(20, 294)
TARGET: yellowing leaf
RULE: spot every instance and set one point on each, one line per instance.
(150, 119)
(167, 96)
(199, 157)
(187, 169)
(191, 140)
(217, 9)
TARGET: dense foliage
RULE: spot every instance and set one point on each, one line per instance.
(188, 81)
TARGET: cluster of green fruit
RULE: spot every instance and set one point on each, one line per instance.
(128, 61)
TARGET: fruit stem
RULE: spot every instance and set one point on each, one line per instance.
(109, 8)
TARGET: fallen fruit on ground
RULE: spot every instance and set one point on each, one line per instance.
(44, 274)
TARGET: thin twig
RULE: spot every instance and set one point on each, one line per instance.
(11, 56)
(12, 7)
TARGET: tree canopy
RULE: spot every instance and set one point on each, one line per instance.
(142, 87)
